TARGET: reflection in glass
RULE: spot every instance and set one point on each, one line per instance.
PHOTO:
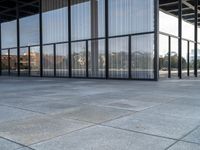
(29, 30)
(4, 62)
(13, 62)
(130, 16)
(184, 58)
(35, 61)
(78, 56)
(9, 34)
(198, 59)
(62, 61)
(24, 61)
(48, 60)
(118, 57)
(143, 56)
(87, 19)
(174, 57)
(96, 58)
(54, 21)
(191, 57)
(163, 56)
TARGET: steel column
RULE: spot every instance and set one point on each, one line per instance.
(188, 58)
(156, 40)
(196, 38)
(130, 57)
(54, 58)
(29, 61)
(106, 38)
(41, 40)
(0, 53)
(18, 38)
(180, 39)
(87, 64)
(169, 58)
(69, 38)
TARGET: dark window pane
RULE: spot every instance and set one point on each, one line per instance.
(13, 62)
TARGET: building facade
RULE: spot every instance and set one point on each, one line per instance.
(108, 39)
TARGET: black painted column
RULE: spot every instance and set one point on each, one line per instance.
(196, 38)
(18, 38)
(180, 39)
(41, 40)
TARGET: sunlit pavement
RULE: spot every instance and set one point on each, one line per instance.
(78, 114)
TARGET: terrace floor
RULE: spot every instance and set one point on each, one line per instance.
(77, 114)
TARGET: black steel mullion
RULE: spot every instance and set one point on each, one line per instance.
(156, 40)
(69, 38)
(130, 57)
(87, 64)
(180, 39)
(54, 56)
(106, 39)
(188, 58)
(9, 62)
(18, 38)
(29, 61)
(41, 40)
(169, 59)
(0, 52)
(196, 38)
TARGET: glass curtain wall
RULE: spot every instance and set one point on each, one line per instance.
(29, 31)
(131, 17)
(163, 56)
(55, 32)
(88, 22)
(9, 45)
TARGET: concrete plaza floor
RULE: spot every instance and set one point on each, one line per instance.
(77, 114)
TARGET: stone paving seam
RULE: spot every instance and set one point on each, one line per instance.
(62, 135)
(23, 109)
(20, 144)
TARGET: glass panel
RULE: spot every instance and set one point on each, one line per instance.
(4, 62)
(24, 61)
(174, 57)
(55, 21)
(191, 59)
(198, 59)
(96, 58)
(163, 56)
(48, 60)
(184, 58)
(9, 34)
(78, 59)
(29, 31)
(143, 56)
(35, 61)
(87, 19)
(13, 62)
(62, 61)
(130, 16)
(118, 57)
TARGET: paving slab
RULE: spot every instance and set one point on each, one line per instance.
(9, 113)
(94, 114)
(185, 146)
(8, 145)
(104, 138)
(156, 124)
(178, 110)
(193, 136)
(32, 130)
